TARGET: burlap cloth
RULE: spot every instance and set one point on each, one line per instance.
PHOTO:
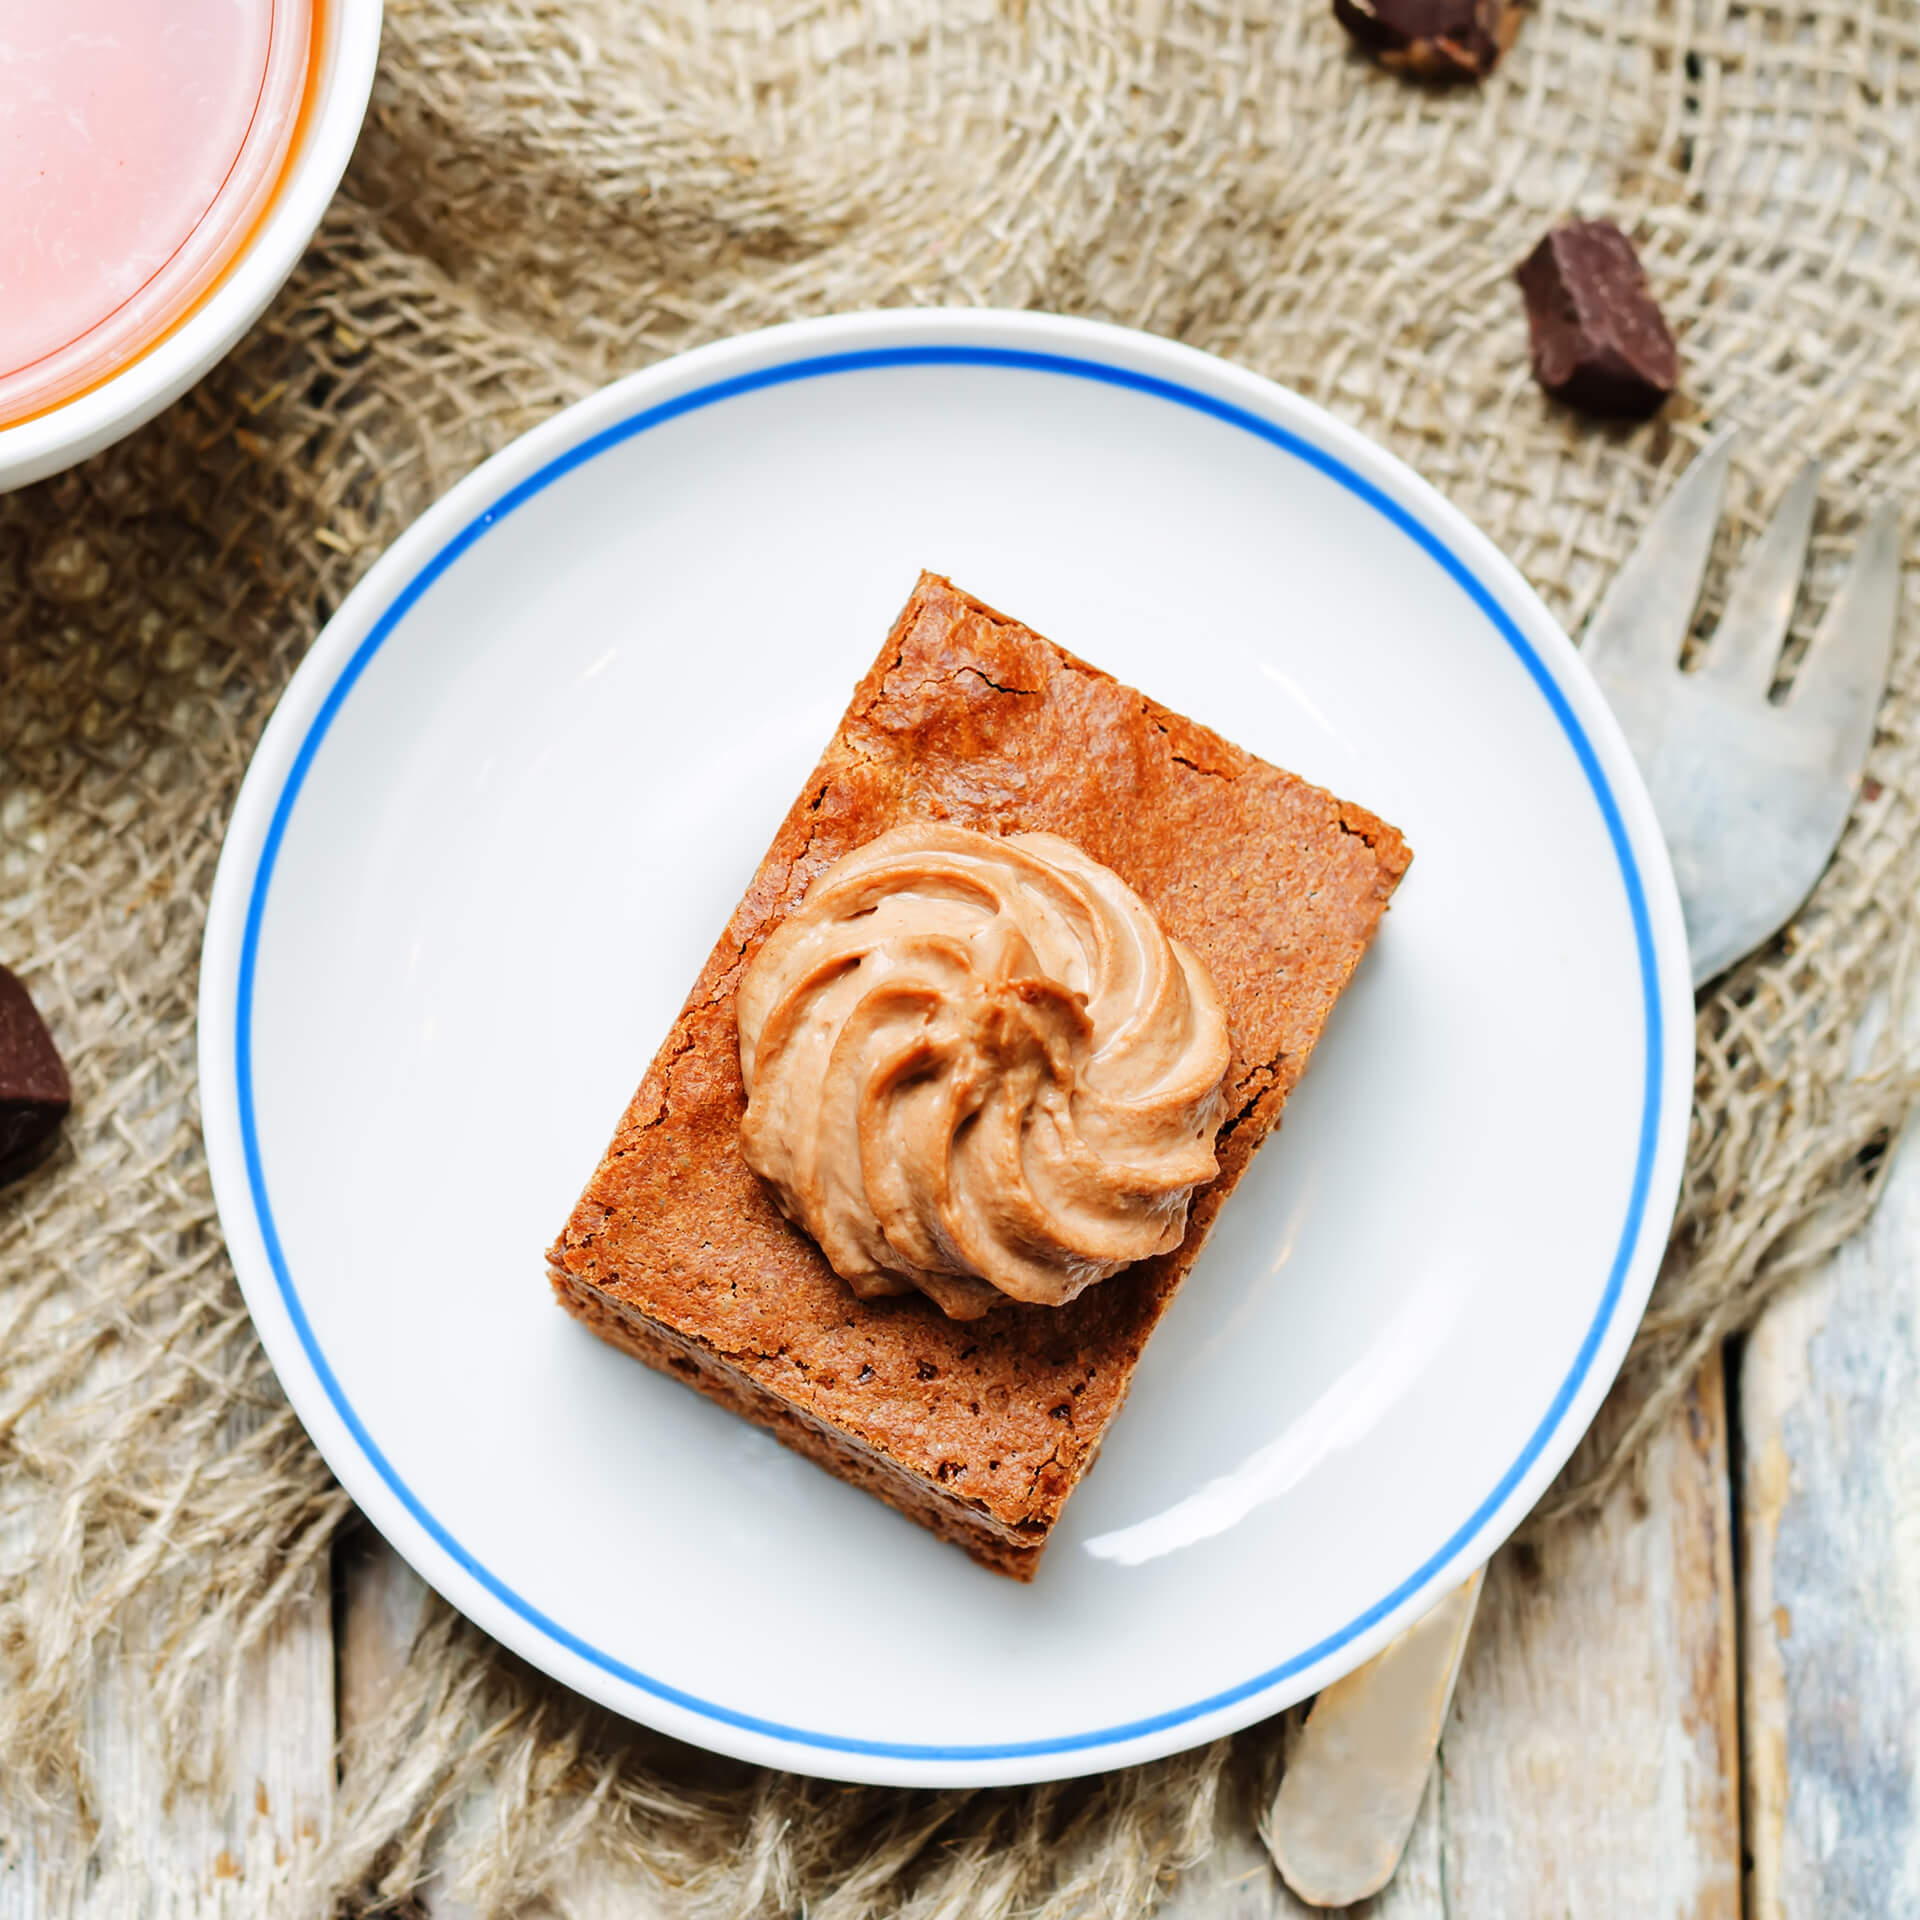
(551, 192)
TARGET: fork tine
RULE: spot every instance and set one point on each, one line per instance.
(1643, 620)
(1745, 650)
(1836, 694)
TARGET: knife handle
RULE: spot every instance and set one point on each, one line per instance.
(1356, 1774)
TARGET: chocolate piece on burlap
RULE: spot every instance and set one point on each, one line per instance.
(1599, 339)
(34, 1090)
(547, 197)
(1431, 39)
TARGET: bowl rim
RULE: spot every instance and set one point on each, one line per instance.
(49, 442)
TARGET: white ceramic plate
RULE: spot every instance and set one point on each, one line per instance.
(511, 798)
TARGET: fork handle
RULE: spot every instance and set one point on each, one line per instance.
(1357, 1772)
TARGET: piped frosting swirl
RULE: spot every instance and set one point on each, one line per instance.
(980, 1067)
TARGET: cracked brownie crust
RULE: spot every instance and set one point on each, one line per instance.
(677, 1253)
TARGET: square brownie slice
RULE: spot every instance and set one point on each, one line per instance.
(677, 1253)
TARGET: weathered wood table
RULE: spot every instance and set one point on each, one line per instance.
(1706, 1702)
(1710, 1694)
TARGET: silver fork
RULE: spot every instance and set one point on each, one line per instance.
(1752, 797)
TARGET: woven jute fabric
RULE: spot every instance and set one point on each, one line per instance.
(552, 192)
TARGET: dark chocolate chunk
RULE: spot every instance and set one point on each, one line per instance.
(34, 1090)
(1600, 342)
(1435, 39)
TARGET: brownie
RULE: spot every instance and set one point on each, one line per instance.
(677, 1253)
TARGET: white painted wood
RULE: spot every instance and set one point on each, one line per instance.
(1588, 1768)
(1829, 1402)
(382, 1604)
(240, 1845)
(384, 1601)
(1590, 1765)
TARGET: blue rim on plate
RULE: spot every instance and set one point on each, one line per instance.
(1070, 367)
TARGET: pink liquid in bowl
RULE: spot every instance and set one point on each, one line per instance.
(140, 140)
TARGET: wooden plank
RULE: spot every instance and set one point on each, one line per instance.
(383, 1601)
(240, 1844)
(383, 1604)
(229, 1831)
(1829, 1408)
(1590, 1766)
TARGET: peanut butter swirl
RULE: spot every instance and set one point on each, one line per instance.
(980, 1067)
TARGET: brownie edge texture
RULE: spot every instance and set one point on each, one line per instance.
(677, 1253)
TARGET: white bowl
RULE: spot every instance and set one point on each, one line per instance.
(51, 441)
